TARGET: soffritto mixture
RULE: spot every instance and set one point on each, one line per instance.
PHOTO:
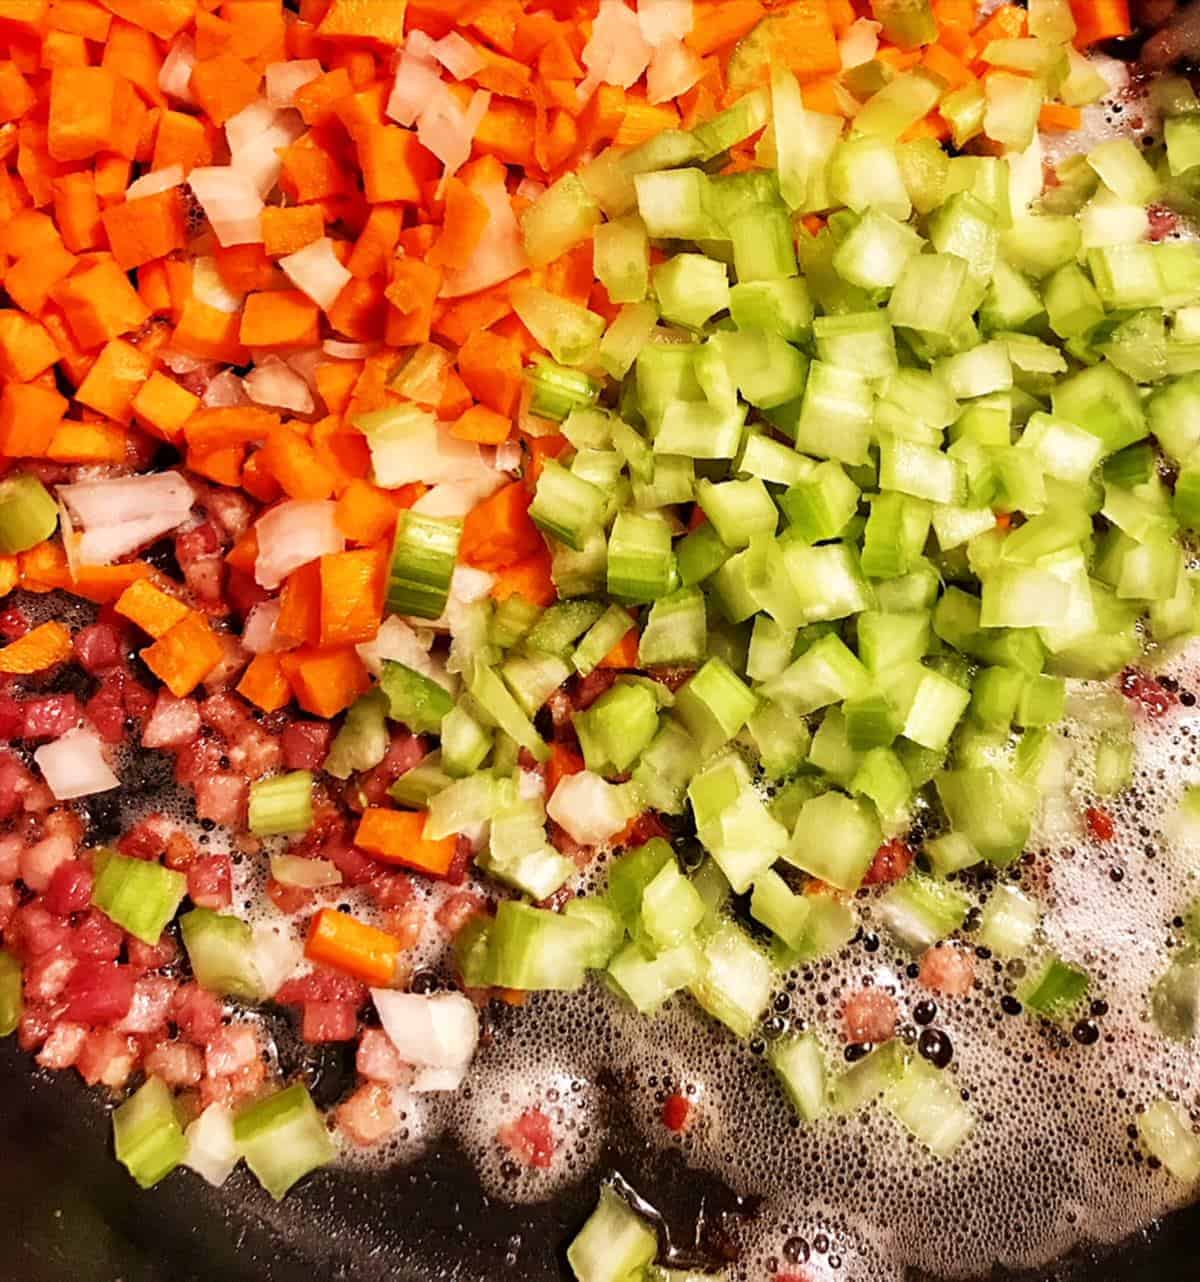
(664, 499)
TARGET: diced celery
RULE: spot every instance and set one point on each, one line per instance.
(835, 839)
(930, 1108)
(800, 1066)
(614, 1245)
(735, 980)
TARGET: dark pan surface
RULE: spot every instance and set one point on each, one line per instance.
(68, 1213)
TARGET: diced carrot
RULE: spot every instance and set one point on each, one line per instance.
(162, 18)
(942, 62)
(114, 380)
(398, 837)
(541, 448)
(295, 465)
(75, 442)
(154, 611)
(530, 578)
(336, 939)
(352, 589)
(264, 683)
(146, 228)
(463, 223)
(212, 427)
(26, 348)
(491, 368)
(83, 112)
(412, 292)
(37, 650)
(717, 23)
(44, 567)
(32, 277)
(1008, 23)
(104, 584)
(285, 230)
(377, 241)
(642, 121)
(1097, 20)
(299, 621)
(244, 552)
(99, 303)
(245, 268)
(564, 761)
(624, 654)
(499, 532)
(223, 85)
(164, 406)
(394, 164)
(378, 20)
(280, 318)
(10, 574)
(77, 211)
(208, 333)
(221, 465)
(182, 140)
(29, 416)
(1057, 117)
(183, 656)
(325, 682)
(481, 425)
(455, 400)
(365, 513)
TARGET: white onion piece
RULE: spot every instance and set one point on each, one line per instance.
(530, 785)
(467, 586)
(417, 82)
(430, 1030)
(530, 189)
(1026, 177)
(277, 384)
(417, 449)
(673, 70)
(304, 362)
(664, 20)
(343, 351)
(257, 135)
(426, 1080)
(293, 534)
(276, 956)
(182, 363)
(284, 78)
(859, 43)
(208, 286)
(419, 44)
(259, 634)
(155, 181)
(446, 130)
(501, 249)
(317, 271)
(121, 514)
(617, 53)
(456, 499)
(74, 765)
(397, 641)
(212, 1151)
(224, 391)
(175, 74)
(460, 57)
(508, 457)
(590, 808)
(231, 203)
(296, 870)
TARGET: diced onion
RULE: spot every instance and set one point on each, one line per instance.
(460, 57)
(414, 447)
(501, 249)
(590, 808)
(458, 498)
(74, 765)
(292, 535)
(1026, 177)
(417, 81)
(274, 383)
(343, 351)
(859, 43)
(224, 390)
(664, 20)
(426, 1080)
(121, 514)
(276, 956)
(175, 74)
(212, 1151)
(430, 1030)
(398, 641)
(284, 78)
(447, 131)
(673, 70)
(155, 181)
(317, 271)
(258, 633)
(209, 288)
(295, 870)
(257, 136)
(231, 203)
(530, 189)
(508, 457)
(617, 53)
